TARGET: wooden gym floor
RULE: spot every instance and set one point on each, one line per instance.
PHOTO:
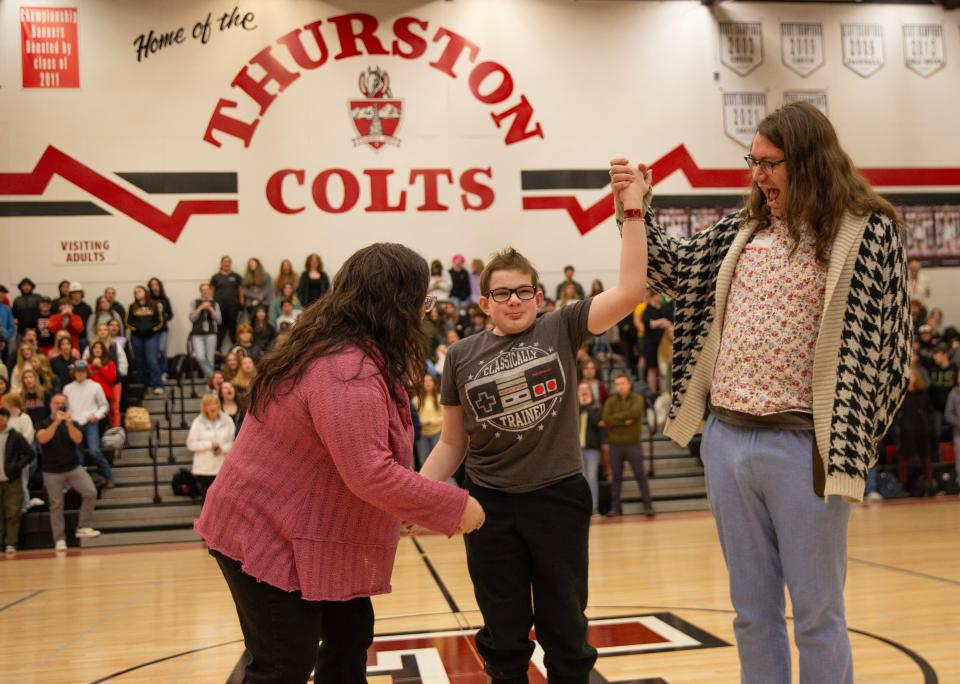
(658, 606)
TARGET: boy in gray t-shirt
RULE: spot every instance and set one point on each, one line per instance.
(510, 408)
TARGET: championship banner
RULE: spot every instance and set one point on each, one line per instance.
(49, 52)
(801, 47)
(818, 98)
(741, 46)
(923, 49)
(741, 114)
(862, 48)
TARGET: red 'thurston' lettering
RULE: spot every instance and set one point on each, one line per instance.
(272, 70)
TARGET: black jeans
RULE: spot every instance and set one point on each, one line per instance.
(229, 313)
(204, 481)
(540, 540)
(282, 633)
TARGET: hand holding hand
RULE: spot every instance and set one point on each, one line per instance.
(629, 183)
(473, 516)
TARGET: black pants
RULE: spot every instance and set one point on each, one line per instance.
(204, 481)
(229, 313)
(535, 540)
(282, 633)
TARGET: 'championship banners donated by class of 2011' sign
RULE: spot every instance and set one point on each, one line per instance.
(48, 47)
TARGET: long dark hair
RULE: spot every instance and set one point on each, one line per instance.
(822, 182)
(374, 304)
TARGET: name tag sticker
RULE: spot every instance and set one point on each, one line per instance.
(762, 240)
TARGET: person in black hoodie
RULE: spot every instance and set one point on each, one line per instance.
(81, 309)
(17, 453)
(145, 321)
(459, 283)
(159, 295)
(26, 307)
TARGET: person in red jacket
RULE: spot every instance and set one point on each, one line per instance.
(304, 516)
(103, 371)
(69, 321)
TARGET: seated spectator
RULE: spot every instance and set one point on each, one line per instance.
(245, 343)
(314, 282)
(263, 332)
(459, 282)
(478, 324)
(59, 438)
(244, 377)
(568, 295)
(205, 319)
(145, 322)
(431, 419)
(210, 438)
(568, 272)
(69, 321)
(45, 375)
(36, 398)
(286, 276)
(45, 336)
(61, 363)
(231, 366)
(440, 284)
(215, 381)
(26, 307)
(24, 354)
(935, 321)
(103, 371)
(276, 306)
(103, 313)
(17, 454)
(232, 404)
(596, 287)
(283, 334)
(289, 313)
(257, 287)
(89, 406)
(114, 351)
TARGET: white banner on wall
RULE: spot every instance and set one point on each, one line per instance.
(741, 45)
(801, 47)
(818, 98)
(862, 48)
(741, 114)
(923, 50)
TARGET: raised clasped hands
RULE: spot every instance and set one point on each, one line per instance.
(629, 182)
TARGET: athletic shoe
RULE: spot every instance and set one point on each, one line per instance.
(61, 545)
(11, 550)
(87, 532)
(158, 391)
(874, 496)
(34, 502)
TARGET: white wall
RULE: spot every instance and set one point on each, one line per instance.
(603, 78)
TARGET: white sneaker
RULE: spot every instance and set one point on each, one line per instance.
(61, 545)
(34, 502)
(158, 391)
(11, 550)
(87, 532)
(874, 496)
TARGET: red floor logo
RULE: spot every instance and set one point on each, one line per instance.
(450, 656)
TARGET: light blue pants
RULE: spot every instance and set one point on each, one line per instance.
(775, 530)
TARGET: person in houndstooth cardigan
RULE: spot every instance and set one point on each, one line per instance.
(791, 355)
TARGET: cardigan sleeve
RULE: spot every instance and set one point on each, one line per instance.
(895, 330)
(354, 424)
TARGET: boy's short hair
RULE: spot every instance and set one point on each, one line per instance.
(623, 375)
(244, 328)
(941, 349)
(507, 259)
(13, 399)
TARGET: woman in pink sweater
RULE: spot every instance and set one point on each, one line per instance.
(304, 517)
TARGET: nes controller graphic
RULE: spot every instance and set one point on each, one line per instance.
(516, 389)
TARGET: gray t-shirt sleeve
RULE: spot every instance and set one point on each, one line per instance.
(575, 318)
(449, 392)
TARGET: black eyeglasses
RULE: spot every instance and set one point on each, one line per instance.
(503, 294)
(767, 165)
(429, 303)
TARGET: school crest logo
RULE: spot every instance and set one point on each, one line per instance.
(518, 388)
(377, 116)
